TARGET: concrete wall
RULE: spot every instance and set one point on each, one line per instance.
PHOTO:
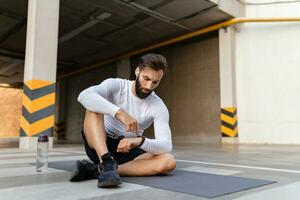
(75, 112)
(11, 110)
(191, 90)
(267, 60)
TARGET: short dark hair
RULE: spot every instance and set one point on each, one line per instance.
(154, 61)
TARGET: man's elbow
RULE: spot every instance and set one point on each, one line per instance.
(80, 97)
(167, 148)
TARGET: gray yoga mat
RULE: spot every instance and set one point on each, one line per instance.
(193, 183)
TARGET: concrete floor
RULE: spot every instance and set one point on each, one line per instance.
(271, 162)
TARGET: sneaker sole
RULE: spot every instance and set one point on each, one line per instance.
(109, 183)
(75, 173)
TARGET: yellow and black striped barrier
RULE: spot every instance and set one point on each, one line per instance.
(229, 125)
(38, 108)
(59, 130)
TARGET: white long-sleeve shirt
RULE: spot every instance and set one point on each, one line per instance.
(113, 94)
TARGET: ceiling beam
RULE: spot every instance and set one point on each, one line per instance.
(17, 27)
(92, 22)
(152, 13)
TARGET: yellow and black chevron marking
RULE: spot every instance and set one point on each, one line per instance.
(229, 127)
(38, 108)
(59, 130)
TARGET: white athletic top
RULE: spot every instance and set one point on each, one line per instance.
(113, 94)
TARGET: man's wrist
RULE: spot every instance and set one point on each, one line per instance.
(141, 140)
(114, 111)
(117, 113)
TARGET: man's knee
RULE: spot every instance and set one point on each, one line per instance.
(93, 114)
(167, 164)
(91, 119)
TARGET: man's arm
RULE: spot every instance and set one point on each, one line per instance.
(163, 141)
(95, 98)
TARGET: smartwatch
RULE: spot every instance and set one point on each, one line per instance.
(143, 140)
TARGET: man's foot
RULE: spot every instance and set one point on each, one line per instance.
(84, 170)
(109, 176)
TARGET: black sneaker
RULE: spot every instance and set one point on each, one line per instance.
(109, 176)
(84, 170)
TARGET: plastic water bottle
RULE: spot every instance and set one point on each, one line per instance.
(42, 154)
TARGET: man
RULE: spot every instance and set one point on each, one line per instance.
(117, 113)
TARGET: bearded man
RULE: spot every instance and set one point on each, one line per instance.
(117, 113)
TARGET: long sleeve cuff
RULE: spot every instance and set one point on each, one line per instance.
(156, 146)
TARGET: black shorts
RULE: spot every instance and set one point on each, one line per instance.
(112, 145)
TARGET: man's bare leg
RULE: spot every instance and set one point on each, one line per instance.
(96, 138)
(95, 133)
(143, 165)
(148, 164)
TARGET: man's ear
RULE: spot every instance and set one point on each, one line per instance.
(137, 71)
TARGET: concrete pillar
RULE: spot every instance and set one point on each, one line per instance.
(123, 68)
(40, 72)
(234, 8)
(229, 129)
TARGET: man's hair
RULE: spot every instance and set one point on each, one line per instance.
(154, 61)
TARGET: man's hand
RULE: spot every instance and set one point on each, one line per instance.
(130, 122)
(128, 143)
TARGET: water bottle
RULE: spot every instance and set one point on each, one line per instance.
(41, 165)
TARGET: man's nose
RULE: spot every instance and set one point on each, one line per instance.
(149, 86)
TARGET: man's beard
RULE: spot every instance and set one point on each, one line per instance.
(138, 89)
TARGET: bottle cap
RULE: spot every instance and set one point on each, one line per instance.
(43, 138)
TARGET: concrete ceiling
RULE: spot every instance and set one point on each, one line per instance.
(94, 30)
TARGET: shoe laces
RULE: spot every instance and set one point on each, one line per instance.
(109, 165)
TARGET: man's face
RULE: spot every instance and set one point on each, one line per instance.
(146, 81)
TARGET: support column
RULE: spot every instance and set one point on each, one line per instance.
(229, 129)
(123, 68)
(40, 72)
